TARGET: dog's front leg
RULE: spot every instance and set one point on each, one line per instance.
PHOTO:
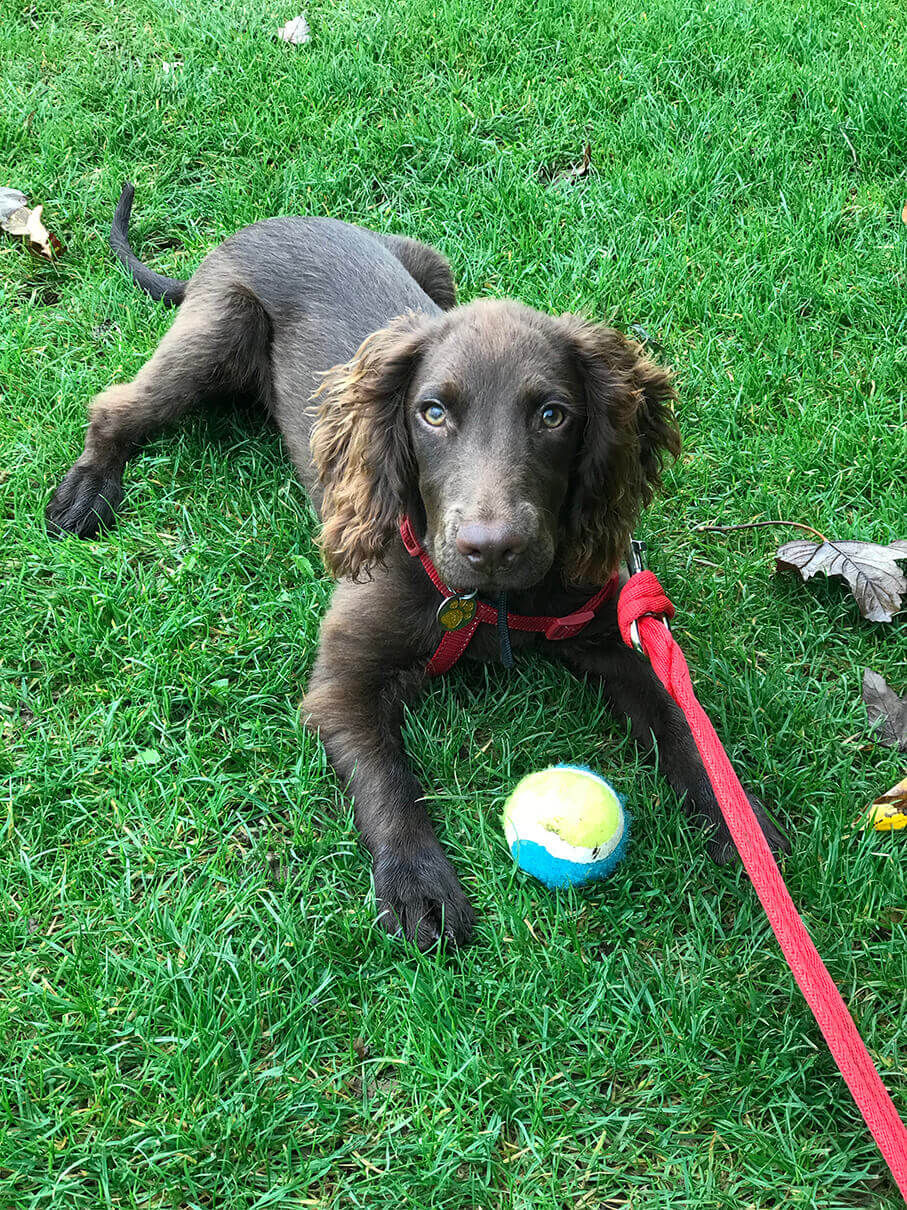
(355, 701)
(634, 692)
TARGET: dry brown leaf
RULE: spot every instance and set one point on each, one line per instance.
(581, 169)
(27, 223)
(551, 173)
(886, 711)
(871, 570)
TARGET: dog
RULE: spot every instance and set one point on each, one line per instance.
(486, 460)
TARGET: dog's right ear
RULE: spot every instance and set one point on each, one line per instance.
(361, 447)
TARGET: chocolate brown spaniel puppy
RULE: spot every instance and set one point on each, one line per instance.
(518, 448)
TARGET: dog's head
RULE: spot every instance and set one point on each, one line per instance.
(516, 439)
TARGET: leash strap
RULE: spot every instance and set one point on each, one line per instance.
(504, 632)
(643, 603)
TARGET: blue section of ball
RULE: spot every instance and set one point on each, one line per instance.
(557, 872)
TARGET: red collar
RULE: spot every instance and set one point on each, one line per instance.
(469, 612)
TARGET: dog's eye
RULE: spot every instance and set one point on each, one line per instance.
(434, 413)
(552, 416)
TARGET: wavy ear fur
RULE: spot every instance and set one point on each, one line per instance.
(630, 427)
(361, 449)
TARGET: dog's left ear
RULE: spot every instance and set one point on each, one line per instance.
(361, 448)
(630, 428)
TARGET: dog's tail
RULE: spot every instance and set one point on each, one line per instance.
(168, 290)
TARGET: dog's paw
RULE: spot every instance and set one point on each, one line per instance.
(85, 502)
(722, 848)
(419, 895)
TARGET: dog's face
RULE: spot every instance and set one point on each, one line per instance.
(521, 439)
(496, 414)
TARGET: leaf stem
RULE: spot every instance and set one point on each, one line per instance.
(724, 529)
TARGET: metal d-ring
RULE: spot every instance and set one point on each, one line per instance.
(634, 630)
(636, 562)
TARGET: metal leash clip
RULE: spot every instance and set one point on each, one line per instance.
(636, 562)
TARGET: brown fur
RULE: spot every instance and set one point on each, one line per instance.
(366, 468)
(361, 450)
(631, 428)
(443, 415)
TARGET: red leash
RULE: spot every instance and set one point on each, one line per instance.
(644, 608)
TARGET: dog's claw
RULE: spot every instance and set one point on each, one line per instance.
(420, 898)
(85, 502)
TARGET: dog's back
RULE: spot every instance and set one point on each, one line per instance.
(284, 247)
(265, 315)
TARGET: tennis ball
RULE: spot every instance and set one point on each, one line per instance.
(566, 826)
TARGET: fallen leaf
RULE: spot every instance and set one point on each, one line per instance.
(886, 711)
(296, 32)
(16, 222)
(27, 223)
(904, 214)
(549, 173)
(10, 200)
(888, 813)
(581, 169)
(871, 570)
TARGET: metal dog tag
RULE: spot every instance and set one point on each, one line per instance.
(458, 611)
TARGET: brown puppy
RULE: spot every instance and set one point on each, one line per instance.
(521, 446)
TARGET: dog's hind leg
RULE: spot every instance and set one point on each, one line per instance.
(218, 347)
(426, 265)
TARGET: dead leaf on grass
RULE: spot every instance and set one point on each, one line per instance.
(549, 173)
(296, 32)
(27, 223)
(871, 570)
(578, 171)
(888, 813)
(887, 713)
(10, 200)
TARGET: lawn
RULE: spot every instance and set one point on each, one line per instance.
(195, 1007)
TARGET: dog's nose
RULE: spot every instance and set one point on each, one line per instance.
(490, 544)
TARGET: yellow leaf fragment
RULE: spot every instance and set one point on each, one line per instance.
(889, 811)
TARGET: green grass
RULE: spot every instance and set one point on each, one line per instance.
(195, 1008)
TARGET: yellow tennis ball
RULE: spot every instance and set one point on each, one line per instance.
(566, 826)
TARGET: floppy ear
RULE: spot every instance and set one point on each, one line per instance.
(361, 448)
(630, 427)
